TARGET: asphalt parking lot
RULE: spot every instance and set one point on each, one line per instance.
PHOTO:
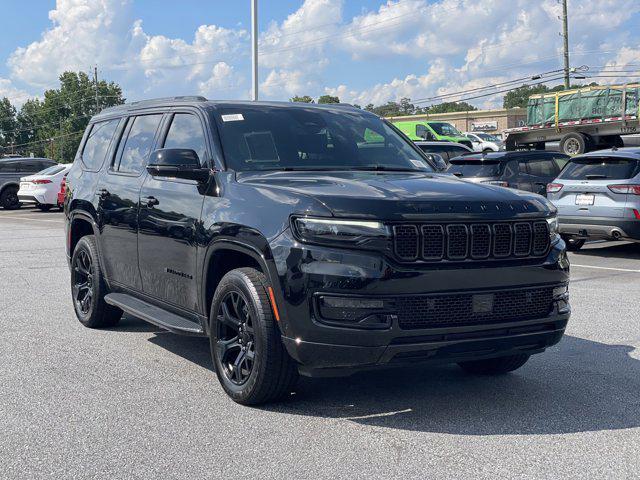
(136, 402)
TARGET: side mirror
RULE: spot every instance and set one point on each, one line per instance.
(177, 163)
(441, 163)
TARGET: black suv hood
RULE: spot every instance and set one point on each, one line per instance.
(402, 196)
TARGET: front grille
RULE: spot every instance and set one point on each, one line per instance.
(473, 241)
(462, 309)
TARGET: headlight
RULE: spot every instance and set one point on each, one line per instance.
(359, 233)
(553, 225)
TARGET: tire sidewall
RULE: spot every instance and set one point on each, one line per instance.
(239, 282)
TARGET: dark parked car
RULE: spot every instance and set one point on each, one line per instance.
(11, 169)
(447, 150)
(530, 171)
(305, 239)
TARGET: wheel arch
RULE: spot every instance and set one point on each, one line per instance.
(225, 255)
(80, 225)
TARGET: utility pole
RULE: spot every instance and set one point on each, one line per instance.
(95, 80)
(565, 37)
(254, 50)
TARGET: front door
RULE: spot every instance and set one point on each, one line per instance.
(118, 194)
(170, 211)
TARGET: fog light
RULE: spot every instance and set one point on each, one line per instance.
(354, 312)
(346, 302)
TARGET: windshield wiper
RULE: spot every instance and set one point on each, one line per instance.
(384, 168)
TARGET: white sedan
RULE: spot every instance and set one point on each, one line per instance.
(42, 188)
(483, 142)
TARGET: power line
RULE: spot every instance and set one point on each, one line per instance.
(47, 139)
(501, 91)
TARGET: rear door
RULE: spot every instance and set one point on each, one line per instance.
(118, 193)
(586, 182)
(541, 170)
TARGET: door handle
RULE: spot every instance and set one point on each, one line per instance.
(103, 193)
(151, 201)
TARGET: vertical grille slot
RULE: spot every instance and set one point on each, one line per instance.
(406, 241)
(480, 241)
(501, 240)
(457, 242)
(541, 238)
(522, 242)
(432, 242)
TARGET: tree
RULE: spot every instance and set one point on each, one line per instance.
(8, 124)
(303, 99)
(448, 107)
(53, 127)
(328, 99)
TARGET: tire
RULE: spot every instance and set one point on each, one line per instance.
(573, 244)
(487, 150)
(9, 198)
(495, 366)
(241, 318)
(575, 144)
(88, 287)
(44, 207)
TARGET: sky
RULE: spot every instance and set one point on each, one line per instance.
(364, 51)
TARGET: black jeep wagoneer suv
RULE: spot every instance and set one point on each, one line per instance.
(305, 239)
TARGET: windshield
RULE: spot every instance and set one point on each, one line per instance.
(264, 137)
(442, 128)
(475, 168)
(488, 138)
(52, 170)
(600, 168)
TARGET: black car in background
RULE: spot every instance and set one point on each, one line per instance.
(523, 170)
(305, 239)
(447, 150)
(11, 169)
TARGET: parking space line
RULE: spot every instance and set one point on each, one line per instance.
(12, 217)
(606, 268)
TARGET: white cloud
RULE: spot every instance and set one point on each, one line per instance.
(15, 95)
(85, 33)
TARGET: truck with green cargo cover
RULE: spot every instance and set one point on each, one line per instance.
(581, 120)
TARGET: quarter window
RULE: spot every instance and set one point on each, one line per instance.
(542, 167)
(186, 132)
(138, 143)
(97, 144)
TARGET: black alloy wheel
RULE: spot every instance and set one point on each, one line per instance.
(88, 287)
(235, 338)
(9, 198)
(82, 271)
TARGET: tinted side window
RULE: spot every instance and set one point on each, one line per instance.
(561, 161)
(542, 167)
(31, 167)
(138, 143)
(421, 131)
(6, 167)
(186, 132)
(97, 144)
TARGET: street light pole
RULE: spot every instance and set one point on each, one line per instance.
(254, 49)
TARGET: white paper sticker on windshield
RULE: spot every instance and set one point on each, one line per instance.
(235, 117)
(418, 163)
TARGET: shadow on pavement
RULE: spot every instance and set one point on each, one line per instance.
(610, 250)
(577, 386)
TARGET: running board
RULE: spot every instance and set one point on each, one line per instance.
(152, 314)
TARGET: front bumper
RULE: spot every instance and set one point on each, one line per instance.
(610, 228)
(305, 272)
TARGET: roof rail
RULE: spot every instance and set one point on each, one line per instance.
(185, 98)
